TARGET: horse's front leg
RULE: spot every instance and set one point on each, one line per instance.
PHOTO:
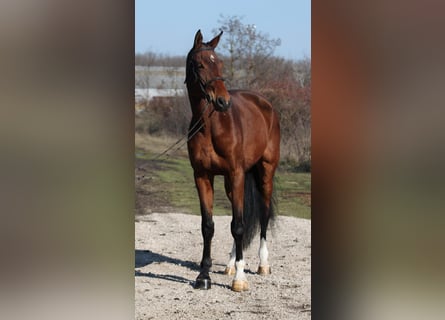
(204, 184)
(237, 227)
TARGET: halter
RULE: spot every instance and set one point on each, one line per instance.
(202, 84)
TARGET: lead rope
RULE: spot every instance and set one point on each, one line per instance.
(189, 132)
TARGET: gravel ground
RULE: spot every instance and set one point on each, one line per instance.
(168, 248)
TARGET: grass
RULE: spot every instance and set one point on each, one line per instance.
(173, 177)
(293, 192)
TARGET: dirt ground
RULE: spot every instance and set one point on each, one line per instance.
(168, 248)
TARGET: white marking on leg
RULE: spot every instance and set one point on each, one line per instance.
(240, 275)
(263, 253)
(231, 263)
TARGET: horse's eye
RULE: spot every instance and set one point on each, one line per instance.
(200, 66)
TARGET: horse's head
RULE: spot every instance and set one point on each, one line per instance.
(204, 73)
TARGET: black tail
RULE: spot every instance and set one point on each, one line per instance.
(254, 206)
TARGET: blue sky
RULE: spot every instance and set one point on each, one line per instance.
(168, 26)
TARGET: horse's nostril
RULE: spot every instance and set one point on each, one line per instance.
(222, 103)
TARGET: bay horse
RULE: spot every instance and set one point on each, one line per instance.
(234, 133)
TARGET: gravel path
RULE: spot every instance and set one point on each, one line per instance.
(168, 248)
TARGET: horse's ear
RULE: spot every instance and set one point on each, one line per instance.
(214, 42)
(198, 40)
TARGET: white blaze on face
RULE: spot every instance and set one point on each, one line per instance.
(212, 58)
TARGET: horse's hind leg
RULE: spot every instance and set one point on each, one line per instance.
(263, 253)
(230, 268)
(204, 184)
(267, 172)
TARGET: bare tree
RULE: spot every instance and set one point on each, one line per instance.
(303, 72)
(145, 59)
(158, 59)
(247, 49)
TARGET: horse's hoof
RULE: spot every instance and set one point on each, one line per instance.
(240, 285)
(203, 284)
(264, 270)
(230, 271)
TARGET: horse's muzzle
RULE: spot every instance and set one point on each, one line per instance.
(222, 104)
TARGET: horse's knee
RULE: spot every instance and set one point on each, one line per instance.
(237, 228)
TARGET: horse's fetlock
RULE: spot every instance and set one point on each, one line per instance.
(206, 263)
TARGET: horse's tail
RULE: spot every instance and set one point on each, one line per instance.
(254, 205)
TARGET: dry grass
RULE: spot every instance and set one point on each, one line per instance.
(158, 144)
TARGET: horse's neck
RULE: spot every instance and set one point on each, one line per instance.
(200, 108)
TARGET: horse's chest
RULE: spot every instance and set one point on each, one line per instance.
(206, 158)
